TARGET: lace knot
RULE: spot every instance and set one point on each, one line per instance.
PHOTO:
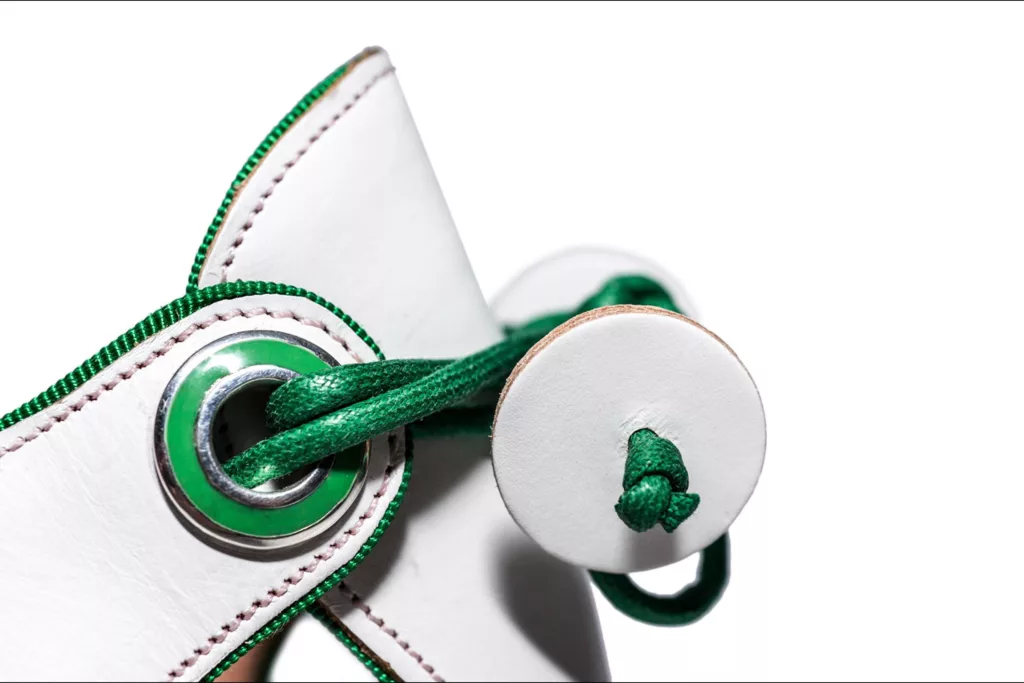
(655, 485)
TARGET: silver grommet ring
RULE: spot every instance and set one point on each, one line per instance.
(212, 402)
(216, 507)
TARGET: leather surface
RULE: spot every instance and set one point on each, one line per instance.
(472, 597)
(562, 280)
(359, 218)
(566, 415)
(104, 581)
(346, 204)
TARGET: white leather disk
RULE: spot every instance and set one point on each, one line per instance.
(564, 279)
(566, 414)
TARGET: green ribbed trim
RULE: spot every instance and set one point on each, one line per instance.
(160, 320)
(253, 162)
(287, 615)
(324, 618)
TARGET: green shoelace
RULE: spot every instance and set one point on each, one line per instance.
(328, 412)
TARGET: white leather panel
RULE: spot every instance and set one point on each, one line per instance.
(456, 591)
(104, 582)
(354, 213)
(347, 204)
(561, 281)
(401, 656)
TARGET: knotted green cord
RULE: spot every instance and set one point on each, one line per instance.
(655, 485)
(342, 407)
(354, 421)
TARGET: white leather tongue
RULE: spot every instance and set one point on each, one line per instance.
(346, 205)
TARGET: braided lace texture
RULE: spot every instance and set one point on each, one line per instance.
(339, 408)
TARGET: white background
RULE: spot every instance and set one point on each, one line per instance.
(838, 186)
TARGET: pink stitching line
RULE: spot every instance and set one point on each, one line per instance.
(280, 591)
(365, 609)
(71, 409)
(229, 257)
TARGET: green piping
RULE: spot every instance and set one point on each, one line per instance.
(160, 320)
(267, 663)
(330, 582)
(253, 162)
(324, 618)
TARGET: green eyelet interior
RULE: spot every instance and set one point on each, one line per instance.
(179, 440)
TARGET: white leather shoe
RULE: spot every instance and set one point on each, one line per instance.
(334, 247)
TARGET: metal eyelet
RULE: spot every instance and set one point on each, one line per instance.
(214, 399)
(214, 505)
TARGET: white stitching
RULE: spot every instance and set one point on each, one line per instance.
(274, 593)
(67, 410)
(123, 376)
(379, 623)
(229, 256)
(303, 571)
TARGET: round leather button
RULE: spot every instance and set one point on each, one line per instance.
(561, 281)
(564, 421)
